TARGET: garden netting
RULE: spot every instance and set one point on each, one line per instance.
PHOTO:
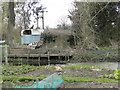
(53, 81)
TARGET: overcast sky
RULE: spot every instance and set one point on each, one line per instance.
(56, 9)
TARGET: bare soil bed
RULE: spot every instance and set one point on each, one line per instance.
(70, 73)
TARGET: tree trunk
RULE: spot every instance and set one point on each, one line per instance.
(24, 21)
(1, 24)
(37, 22)
(11, 23)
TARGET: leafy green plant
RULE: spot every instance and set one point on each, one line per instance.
(115, 76)
(5, 79)
(25, 71)
(15, 73)
(26, 81)
(6, 74)
(95, 66)
(25, 78)
(11, 72)
(31, 70)
(19, 63)
(37, 68)
(109, 76)
(12, 84)
(4, 69)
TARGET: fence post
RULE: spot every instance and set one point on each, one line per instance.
(48, 58)
(68, 56)
(14, 57)
(39, 58)
(28, 56)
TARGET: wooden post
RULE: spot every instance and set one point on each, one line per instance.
(68, 58)
(48, 58)
(59, 56)
(14, 57)
(65, 57)
(18, 62)
(14, 60)
(6, 55)
(21, 62)
(28, 56)
(39, 58)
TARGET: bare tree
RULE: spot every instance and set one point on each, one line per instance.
(83, 32)
(62, 22)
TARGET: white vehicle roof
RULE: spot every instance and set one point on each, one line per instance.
(33, 31)
(1, 42)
